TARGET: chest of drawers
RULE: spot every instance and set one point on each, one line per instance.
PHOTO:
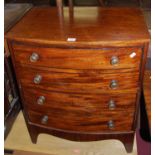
(80, 75)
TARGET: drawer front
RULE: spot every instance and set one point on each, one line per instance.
(113, 58)
(80, 83)
(38, 99)
(84, 121)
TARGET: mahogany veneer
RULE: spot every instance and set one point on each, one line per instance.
(80, 75)
(78, 58)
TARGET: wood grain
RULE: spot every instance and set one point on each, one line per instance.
(78, 83)
(81, 71)
(83, 121)
(63, 146)
(147, 94)
(79, 102)
(78, 58)
(90, 26)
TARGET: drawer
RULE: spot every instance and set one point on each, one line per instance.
(107, 58)
(82, 121)
(78, 82)
(44, 100)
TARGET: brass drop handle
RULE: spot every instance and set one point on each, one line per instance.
(44, 119)
(111, 124)
(34, 57)
(37, 79)
(114, 60)
(113, 84)
(112, 105)
(41, 100)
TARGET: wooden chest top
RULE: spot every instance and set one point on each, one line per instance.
(89, 25)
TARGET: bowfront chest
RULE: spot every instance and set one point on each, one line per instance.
(80, 74)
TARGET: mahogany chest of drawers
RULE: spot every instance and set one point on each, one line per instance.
(80, 75)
